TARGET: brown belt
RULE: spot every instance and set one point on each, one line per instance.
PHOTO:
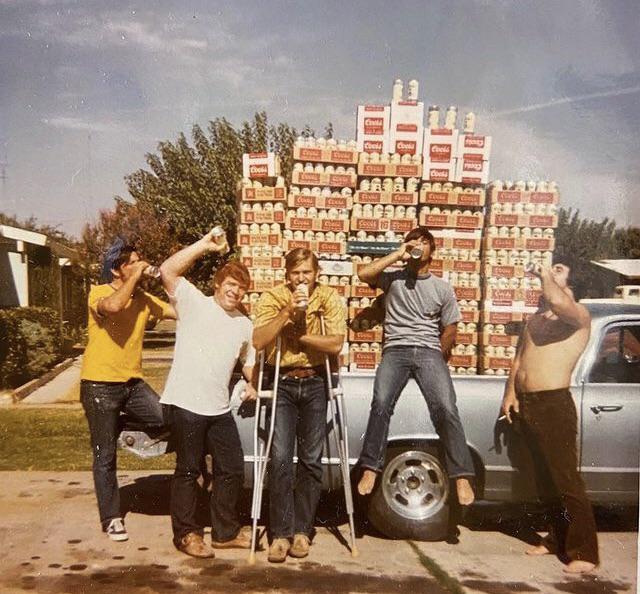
(300, 372)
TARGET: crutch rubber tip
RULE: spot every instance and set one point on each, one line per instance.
(252, 558)
(355, 552)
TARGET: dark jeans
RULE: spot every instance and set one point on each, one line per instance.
(301, 412)
(549, 424)
(103, 402)
(194, 436)
(427, 366)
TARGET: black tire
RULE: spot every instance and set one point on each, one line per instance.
(411, 497)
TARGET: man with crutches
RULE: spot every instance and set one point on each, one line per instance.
(292, 315)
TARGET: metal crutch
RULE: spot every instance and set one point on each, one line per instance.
(260, 449)
(339, 424)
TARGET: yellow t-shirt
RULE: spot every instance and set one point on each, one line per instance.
(324, 300)
(114, 346)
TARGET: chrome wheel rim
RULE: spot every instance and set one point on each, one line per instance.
(415, 485)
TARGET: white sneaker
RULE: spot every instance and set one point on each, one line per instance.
(116, 530)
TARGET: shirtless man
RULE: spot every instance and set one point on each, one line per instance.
(537, 394)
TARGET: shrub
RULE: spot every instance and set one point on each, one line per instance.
(30, 343)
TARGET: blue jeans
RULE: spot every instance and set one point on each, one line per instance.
(427, 366)
(301, 415)
(103, 402)
(194, 436)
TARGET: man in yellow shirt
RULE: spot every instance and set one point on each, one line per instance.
(111, 377)
(292, 311)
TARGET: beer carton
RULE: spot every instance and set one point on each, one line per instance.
(319, 247)
(260, 165)
(477, 198)
(389, 169)
(543, 244)
(493, 339)
(265, 194)
(359, 360)
(383, 225)
(439, 172)
(471, 171)
(523, 220)
(325, 155)
(468, 293)
(502, 316)
(530, 297)
(372, 128)
(313, 224)
(340, 202)
(397, 198)
(495, 363)
(454, 265)
(333, 180)
(440, 145)
(463, 360)
(372, 335)
(470, 145)
(262, 216)
(521, 196)
(406, 132)
(260, 286)
(460, 239)
(362, 290)
(259, 239)
(474, 221)
(263, 261)
(466, 338)
(470, 315)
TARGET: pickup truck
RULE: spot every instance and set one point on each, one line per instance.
(411, 498)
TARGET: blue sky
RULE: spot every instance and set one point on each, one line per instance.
(87, 88)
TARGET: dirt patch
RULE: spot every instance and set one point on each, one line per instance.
(592, 585)
(499, 587)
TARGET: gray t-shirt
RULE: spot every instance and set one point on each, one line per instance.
(416, 308)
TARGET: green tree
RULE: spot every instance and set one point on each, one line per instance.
(187, 188)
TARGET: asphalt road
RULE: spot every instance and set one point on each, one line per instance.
(50, 542)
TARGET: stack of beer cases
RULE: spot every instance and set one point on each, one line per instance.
(519, 230)
(454, 212)
(320, 199)
(262, 207)
(384, 209)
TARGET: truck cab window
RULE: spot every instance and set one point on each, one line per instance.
(618, 359)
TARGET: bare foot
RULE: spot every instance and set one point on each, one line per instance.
(579, 567)
(538, 550)
(367, 482)
(465, 492)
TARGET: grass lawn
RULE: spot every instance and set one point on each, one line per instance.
(46, 438)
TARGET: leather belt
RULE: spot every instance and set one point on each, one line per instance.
(300, 372)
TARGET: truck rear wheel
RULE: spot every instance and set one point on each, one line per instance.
(411, 496)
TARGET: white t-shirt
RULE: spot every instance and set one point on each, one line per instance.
(209, 341)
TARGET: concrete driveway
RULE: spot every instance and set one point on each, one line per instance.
(51, 543)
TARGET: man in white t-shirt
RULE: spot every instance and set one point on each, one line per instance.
(211, 336)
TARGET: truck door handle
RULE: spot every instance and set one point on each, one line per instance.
(610, 408)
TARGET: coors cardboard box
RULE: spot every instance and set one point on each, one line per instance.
(470, 170)
(397, 198)
(260, 165)
(406, 133)
(325, 155)
(440, 145)
(446, 198)
(372, 128)
(439, 172)
(474, 146)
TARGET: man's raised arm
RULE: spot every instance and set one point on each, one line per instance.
(175, 266)
(561, 300)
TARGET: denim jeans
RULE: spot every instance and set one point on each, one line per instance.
(428, 368)
(301, 416)
(194, 436)
(103, 402)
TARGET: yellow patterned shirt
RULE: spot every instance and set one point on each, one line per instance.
(323, 300)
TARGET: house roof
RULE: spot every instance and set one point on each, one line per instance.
(34, 238)
(628, 268)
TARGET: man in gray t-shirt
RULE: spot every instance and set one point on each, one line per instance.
(421, 314)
